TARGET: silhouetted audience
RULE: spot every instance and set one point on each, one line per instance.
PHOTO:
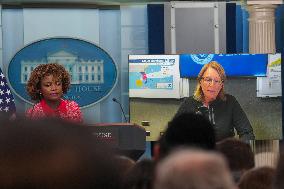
(124, 164)
(186, 130)
(279, 176)
(193, 169)
(257, 178)
(239, 155)
(53, 154)
(140, 176)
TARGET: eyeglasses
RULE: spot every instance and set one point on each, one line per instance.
(209, 80)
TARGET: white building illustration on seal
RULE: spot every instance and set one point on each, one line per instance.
(81, 71)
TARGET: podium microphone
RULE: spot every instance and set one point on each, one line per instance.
(207, 113)
(115, 100)
(202, 110)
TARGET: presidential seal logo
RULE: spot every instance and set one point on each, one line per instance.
(202, 58)
(93, 72)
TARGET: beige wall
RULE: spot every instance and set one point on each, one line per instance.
(157, 111)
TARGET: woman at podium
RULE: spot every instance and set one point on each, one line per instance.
(46, 85)
(222, 110)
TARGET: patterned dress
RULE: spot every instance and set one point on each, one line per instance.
(67, 110)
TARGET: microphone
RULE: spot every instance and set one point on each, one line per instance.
(115, 100)
(207, 113)
(211, 115)
(32, 111)
(202, 110)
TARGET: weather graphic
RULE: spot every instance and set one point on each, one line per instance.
(153, 76)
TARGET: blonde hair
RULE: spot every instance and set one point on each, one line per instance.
(198, 93)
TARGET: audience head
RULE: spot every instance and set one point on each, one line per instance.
(257, 178)
(193, 169)
(124, 164)
(53, 154)
(239, 155)
(186, 130)
(279, 176)
(140, 176)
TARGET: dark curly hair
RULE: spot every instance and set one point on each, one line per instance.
(58, 71)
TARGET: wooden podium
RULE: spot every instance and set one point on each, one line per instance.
(125, 138)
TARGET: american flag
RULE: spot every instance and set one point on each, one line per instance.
(7, 103)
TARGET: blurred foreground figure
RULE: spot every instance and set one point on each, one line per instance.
(140, 176)
(279, 177)
(193, 169)
(258, 178)
(53, 154)
(239, 156)
(185, 130)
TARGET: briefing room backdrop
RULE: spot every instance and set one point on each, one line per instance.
(123, 30)
(119, 31)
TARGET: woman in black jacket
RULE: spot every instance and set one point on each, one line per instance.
(222, 110)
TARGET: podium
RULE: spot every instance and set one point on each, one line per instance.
(124, 138)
